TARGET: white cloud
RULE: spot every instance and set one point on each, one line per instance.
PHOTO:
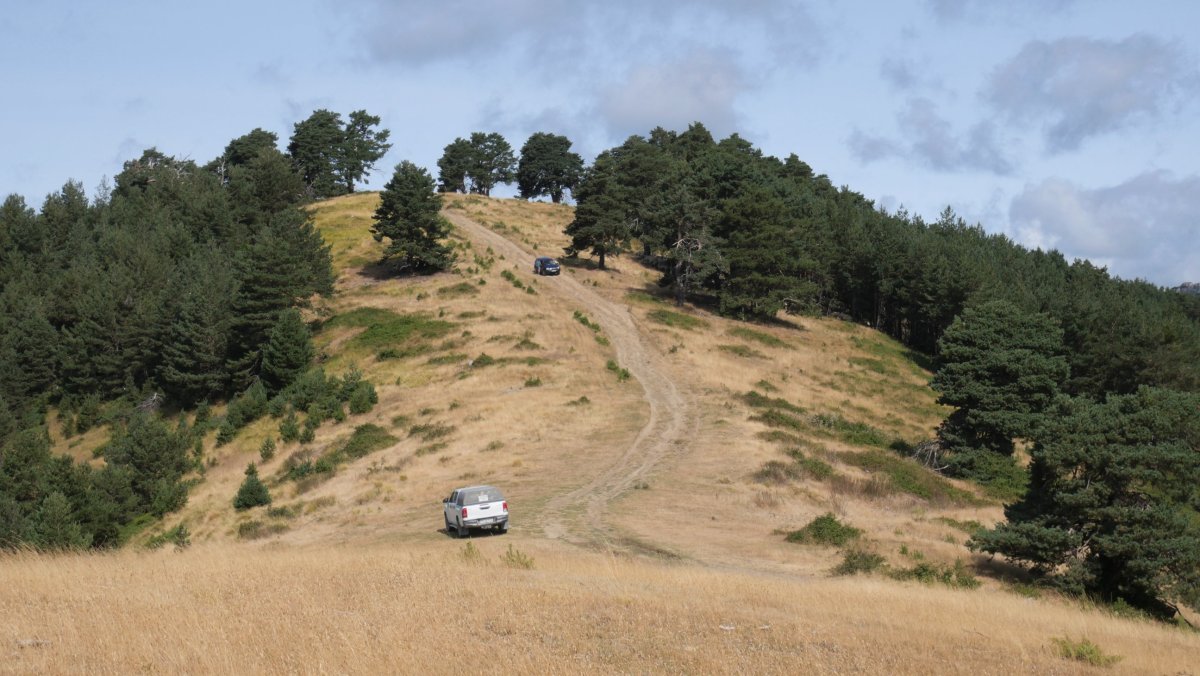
(1145, 227)
(931, 140)
(1077, 88)
(702, 86)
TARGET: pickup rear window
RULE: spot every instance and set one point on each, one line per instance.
(479, 496)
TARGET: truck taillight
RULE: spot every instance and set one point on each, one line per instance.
(505, 505)
(464, 515)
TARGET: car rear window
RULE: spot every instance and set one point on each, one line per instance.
(477, 496)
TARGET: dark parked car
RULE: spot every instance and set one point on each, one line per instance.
(545, 265)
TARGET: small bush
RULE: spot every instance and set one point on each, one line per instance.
(289, 428)
(178, 536)
(363, 398)
(431, 431)
(515, 558)
(1084, 650)
(533, 382)
(581, 401)
(252, 492)
(267, 450)
(858, 561)
(471, 554)
(956, 576)
(825, 530)
(622, 373)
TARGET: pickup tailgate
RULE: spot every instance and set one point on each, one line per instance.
(485, 512)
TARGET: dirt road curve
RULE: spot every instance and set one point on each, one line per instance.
(577, 516)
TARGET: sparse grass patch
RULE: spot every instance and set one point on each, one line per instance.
(494, 446)
(458, 290)
(455, 358)
(872, 365)
(970, 527)
(910, 477)
(471, 554)
(825, 530)
(431, 431)
(757, 400)
(744, 351)
(767, 339)
(676, 320)
(431, 449)
(766, 386)
(254, 529)
(581, 401)
(400, 421)
(384, 330)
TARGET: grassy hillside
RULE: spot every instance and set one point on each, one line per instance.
(655, 459)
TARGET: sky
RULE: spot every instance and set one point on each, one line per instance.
(1064, 124)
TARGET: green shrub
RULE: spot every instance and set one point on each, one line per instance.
(825, 530)
(857, 561)
(956, 576)
(363, 398)
(1084, 650)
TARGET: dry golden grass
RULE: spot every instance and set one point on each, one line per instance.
(426, 608)
(355, 575)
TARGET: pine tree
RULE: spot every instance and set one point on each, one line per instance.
(55, 526)
(1111, 503)
(252, 492)
(361, 148)
(288, 351)
(1001, 368)
(408, 216)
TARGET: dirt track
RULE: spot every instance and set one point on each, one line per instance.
(577, 516)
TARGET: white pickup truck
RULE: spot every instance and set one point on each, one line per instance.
(475, 507)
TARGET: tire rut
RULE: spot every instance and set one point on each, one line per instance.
(577, 516)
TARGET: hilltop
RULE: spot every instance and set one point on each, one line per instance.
(655, 458)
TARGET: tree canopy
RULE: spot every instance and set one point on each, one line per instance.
(333, 155)
(547, 167)
(476, 165)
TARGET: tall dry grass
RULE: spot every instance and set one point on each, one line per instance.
(429, 609)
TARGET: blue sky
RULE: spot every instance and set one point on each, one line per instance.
(1065, 124)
